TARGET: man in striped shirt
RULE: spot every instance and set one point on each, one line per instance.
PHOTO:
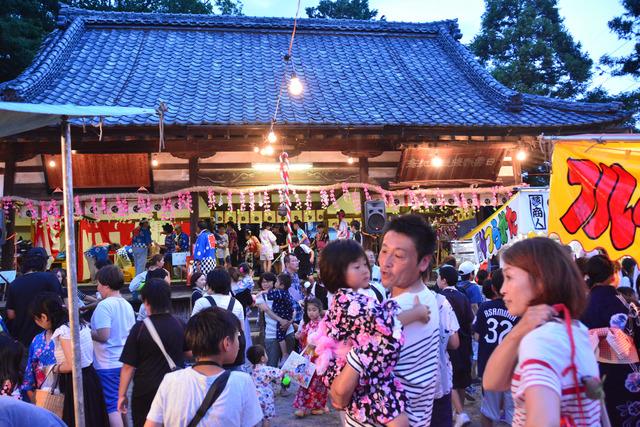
(407, 247)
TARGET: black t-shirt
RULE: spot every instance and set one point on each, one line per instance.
(141, 352)
(305, 262)
(461, 357)
(493, 323)
(196, 295)
(19, 296)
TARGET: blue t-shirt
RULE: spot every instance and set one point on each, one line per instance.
(493, 323)
(183, 242)
(205, 246)
(170, 243)
(142, 237)
(100, 253)
(471, 290)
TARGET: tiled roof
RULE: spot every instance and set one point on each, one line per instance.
(221, 70)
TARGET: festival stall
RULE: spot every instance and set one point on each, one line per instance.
(594, 192)
(102, 218)
(525, 214)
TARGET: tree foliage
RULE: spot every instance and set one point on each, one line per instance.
(342, 9)
(24, 23)
(627, 27)
(526, 46)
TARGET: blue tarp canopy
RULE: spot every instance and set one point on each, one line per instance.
(18, 117)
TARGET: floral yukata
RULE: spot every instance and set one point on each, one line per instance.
(367, 335)
(263, 376)
(315, 396)
(41, 356)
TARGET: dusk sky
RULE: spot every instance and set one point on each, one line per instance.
(586, 20)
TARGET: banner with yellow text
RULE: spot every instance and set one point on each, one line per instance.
(594, 196)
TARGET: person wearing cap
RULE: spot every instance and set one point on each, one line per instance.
(33, 281)
(141, 241)
(467, 287)
(460, 357)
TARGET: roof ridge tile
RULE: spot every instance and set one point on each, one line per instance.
(67, 14)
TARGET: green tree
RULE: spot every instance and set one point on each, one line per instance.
(229, 7)
(23, 24)
(343, 9)
(627, 27)
(526, 46)
(630, 101)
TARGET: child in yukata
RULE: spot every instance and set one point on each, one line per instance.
(263, 376)
(364, 333)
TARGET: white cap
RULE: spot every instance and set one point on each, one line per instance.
(466, 267)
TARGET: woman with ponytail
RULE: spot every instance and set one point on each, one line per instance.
(546, 359)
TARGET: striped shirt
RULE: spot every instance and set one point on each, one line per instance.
(418, 364)
(543, 357)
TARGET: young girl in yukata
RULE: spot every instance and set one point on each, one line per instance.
(362, 332)
(263, 376)
(312, 399)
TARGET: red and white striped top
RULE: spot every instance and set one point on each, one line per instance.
(543, 357)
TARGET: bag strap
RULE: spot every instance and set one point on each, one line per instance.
(232, 302)
(379, 295)
(156, 338)
(211, 301)
(212, 395)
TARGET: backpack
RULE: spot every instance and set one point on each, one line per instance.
(240, 357)
(464, 287)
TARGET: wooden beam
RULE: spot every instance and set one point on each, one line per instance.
(316, 165)
(194, 216)
(9, 248)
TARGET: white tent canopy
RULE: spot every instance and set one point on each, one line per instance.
(20, 117)
(17, 117)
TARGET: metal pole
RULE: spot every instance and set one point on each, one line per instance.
(72, 284)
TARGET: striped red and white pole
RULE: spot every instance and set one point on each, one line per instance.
(284, 175)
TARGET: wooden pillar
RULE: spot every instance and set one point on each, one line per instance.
(9, 248)
(195, 207)
(363, 163)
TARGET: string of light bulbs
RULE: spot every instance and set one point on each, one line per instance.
(294, 85)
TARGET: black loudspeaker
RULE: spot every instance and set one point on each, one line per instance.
(375, 216)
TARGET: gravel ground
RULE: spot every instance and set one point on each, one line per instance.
(285, 418)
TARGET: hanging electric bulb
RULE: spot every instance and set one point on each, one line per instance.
(268, 150)
(154, 163)
(350, 160)
(272, 138)
(256, 149)
(521, 155)
(436, 161)
(52, 163)
(295, 86)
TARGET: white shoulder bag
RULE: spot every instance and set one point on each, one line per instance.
(158, 341)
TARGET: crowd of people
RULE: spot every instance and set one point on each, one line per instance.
(395, 339)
